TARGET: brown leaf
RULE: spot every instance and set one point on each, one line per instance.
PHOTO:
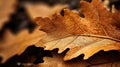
(80, 45)
(6, 8)
(42, 10)
(98, 60)
(16, 44)
(98, 30)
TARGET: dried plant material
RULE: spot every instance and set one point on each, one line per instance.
(116, 64)
(98, 30)
(98, 60)
(42, 10)
(81, 45)
(107, 2)
(57, 61)
(16, 44)
(105, 59)
(6, 8)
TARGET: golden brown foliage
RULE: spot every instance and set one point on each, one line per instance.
(98, 30)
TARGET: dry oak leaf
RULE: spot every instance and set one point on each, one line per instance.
(16, 44)
(42, 10)
(6, 8)
(98, 30)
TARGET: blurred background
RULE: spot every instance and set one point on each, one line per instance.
(17, 15)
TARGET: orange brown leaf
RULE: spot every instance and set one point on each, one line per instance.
(98, 30)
